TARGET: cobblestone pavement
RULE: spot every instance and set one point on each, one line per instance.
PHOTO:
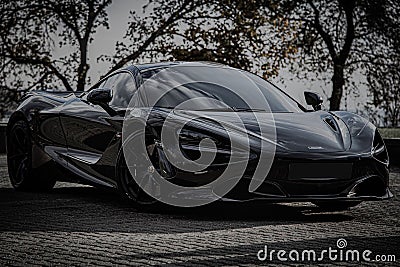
(81, 225)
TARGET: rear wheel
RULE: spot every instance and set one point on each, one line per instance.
(19, 161)
(336, 205)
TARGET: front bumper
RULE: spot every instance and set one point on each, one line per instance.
(369, 180)
(201, 195)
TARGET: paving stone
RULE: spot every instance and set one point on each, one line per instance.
(80, 225)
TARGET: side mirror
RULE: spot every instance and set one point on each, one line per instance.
(101, 97)
(314, 100)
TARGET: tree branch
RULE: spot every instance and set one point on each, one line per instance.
(178, 14)
(348, 6)
(325, 36)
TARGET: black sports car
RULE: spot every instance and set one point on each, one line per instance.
(333, 159)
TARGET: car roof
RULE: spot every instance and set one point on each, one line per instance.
(135, 69)
(148, 66)
(166, 64)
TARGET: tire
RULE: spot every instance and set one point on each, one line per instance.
(19, 161)
(130, 189)
(336, 205)
(128, 185)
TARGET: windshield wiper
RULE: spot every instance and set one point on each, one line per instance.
(216, 109)
(247, 109)
(205, 109)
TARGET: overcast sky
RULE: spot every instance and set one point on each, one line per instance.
(118, 12)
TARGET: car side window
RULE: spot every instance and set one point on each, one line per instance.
(102, 85)
(123, 87)
(108, 83)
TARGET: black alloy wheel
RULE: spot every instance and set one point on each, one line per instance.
(19, 161)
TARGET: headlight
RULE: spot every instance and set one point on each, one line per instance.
(379, 151)
(355, 123)
(189, 141)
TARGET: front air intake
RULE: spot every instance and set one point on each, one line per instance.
(379, 150)
(370, 187)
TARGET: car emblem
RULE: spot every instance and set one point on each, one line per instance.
(315, 147)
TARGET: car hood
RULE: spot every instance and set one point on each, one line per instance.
(295, 132)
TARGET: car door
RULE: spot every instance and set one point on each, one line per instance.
(91, 133)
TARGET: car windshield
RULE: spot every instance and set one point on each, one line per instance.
(215, 88)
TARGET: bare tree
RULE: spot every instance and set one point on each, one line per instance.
(226, 31)
(384, 84)
(322, 36)
(336, 36)
(28, 30)
(383, 75)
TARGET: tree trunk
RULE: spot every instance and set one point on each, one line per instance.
(82, 69)
(395, 117)
(338, 83)
(82, 73)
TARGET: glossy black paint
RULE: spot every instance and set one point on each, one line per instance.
(313, 100)
(101, 97)
(77, 137)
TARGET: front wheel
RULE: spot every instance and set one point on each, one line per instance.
(332, 205)
(19, 161)
(131, 190)
(133, 179)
